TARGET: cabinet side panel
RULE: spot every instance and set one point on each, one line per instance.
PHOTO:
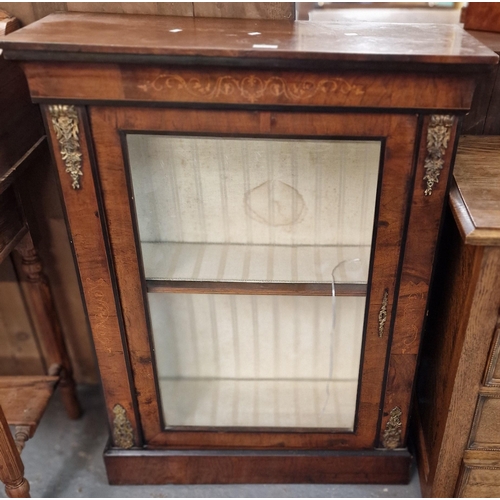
(438, 134)
(479, 332)
(457, 268)
(81, 197)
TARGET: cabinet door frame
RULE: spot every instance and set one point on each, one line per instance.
(398, 134)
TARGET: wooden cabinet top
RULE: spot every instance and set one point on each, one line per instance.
(124, 38)
(475, 196)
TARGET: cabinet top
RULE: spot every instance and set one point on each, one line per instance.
(475, 195)
(239, 42)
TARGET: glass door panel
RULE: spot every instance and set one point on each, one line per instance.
(256, 254)
(257, 360)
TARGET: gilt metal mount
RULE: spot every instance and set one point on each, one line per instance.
(123, 434)
(382, 315)
(65, 123)
(438, 136)
(393, 428)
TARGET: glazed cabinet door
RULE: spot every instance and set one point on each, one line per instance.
(256, 253)
(256, 257)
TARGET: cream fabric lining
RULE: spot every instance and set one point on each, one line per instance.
(259, 403)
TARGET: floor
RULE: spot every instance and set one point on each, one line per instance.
(64, 460)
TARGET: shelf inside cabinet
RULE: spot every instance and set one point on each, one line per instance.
(255, 269)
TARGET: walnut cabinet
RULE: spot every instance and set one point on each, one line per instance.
(254, 208)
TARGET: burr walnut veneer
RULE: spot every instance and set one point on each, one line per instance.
(254, 208)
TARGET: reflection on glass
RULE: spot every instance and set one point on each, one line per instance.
(248, 210)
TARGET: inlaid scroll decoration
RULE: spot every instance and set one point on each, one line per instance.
(382, 315)
(438, 136)
(393, 427)
(65, 123)
(123, 434)
(251, 88)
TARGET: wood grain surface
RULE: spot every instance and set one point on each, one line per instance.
(39, 192)
(8, 23)
(480, 475)
(11, 465)
(236, 40)
(78, 82)
(12, 223)
(28, 12)
(475, 201)
(24, 398)
(458, 397)
(423, 229)
(96, 274)
(15, 137)
(485, 431)
(245, 10)
(492, 376)
(242, 288)
(483, 118)
(20, 351)
(483, 16)
(25, 162)
(212, 467)
(453, 362)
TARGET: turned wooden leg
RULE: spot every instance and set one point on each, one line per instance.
(21, 435)
(11, 465)
(50, 333)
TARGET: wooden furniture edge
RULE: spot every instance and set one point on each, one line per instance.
(29, 385)
(8, 23)
(465, 223)
(127, 467)
(21, 165)
(13, 242)
(161, 41)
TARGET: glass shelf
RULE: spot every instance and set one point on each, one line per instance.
(305, 269)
